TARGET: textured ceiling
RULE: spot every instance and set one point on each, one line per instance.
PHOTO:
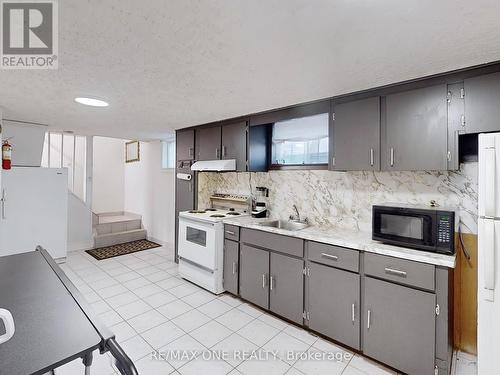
(168, 64)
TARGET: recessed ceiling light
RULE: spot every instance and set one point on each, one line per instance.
(92, 102)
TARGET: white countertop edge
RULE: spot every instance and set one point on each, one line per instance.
(350, 239)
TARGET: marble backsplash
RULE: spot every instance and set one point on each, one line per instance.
(344, 199)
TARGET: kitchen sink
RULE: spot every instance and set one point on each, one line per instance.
(285, 224)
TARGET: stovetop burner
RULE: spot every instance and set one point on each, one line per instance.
(197, 211)
(210, 209)
(233, 213)
(217, 215)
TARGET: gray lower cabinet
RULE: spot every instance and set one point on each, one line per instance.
(231, 255)
(334, 303)
(254, 275)
(356, 135)
(482, 95)
(234, 144)
(399, 326)
(208, 143)
(415, 130)
(286, 287)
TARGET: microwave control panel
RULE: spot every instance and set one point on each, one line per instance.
(445, 229)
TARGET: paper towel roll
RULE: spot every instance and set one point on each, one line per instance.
(184, 176)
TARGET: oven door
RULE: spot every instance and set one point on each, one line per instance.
(197, 242)
(403, 226)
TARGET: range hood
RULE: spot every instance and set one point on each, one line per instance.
(215, 165)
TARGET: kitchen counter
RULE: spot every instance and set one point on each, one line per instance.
(348, 238)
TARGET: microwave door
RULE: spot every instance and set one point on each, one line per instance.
(403, 228)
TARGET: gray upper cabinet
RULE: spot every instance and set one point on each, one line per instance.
(399, 326)
(254, 275)
(234, 144)
(356, 135)
(334, 303)
(231, 255)
(286, 287)
(208, 143)
(482, 96)
(184, 144)
(415, 130)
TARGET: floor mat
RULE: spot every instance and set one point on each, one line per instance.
(122, 249)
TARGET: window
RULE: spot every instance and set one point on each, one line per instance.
(301, 141)
(168, 154)
(67, 151)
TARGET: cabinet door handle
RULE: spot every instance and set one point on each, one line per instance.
(190, 186)
(223, 151)
(190, 151)
(330, 256)
(392, 271)
(263, 281)
(392, 157)
(271, 282)
(372, 158)
(230, 232)
(369, 319)
(234, 268)
(353, 312)
(216, 152)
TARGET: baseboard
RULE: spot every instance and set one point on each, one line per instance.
(78, 246)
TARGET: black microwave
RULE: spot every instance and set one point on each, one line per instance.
(423, 228)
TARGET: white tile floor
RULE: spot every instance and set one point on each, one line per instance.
(148, 306)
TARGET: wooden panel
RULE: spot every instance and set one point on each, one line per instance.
(465, 299)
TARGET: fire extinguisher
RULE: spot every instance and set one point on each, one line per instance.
(6, 155)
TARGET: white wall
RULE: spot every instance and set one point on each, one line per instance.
(79, 224)
(108, 175)
(27, 142)
(149, 191)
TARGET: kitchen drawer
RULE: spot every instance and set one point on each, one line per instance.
(231, 232)
(402, 271)
(335, 256)
(272, 241)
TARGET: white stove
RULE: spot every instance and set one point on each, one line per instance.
(201, 240)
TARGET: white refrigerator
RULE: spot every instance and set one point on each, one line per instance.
(489, 254)
(34, 210)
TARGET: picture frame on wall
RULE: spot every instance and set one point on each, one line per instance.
(132, 151)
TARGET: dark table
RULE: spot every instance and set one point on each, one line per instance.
(53, 323)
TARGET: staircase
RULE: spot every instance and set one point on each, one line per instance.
(112, 228)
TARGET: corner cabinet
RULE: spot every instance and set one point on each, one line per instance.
(415, 130)
(399, 326)
(482, 95)
(356, 135)
(184, 144)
